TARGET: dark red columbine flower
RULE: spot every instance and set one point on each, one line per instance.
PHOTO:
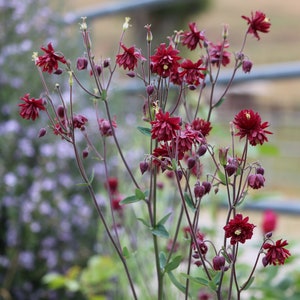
(105, 128)
(276, 253)
(129, 58)
(185, 139)
(257, 22)
(193, 38)
(218, 55)
(49, 61)
(269, 221)
(165, 60)
(79, 121)
(239, 229)
(249, 124)
(192, 72)
(204, 127)
(164, 127)
(256, 181)
(31, 107)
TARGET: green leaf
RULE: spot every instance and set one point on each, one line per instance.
(219, 102)
(164, 219)
(179, 285)
(104, 95)
(248, 283)
(144, 222)
(139, 194)
(162, 260)
(198, 280)
(189, 201)
(160, 230)
(54, 280)
(144, 130)
(173, 264)
(126, 253)
(130, 199)
(222, 177)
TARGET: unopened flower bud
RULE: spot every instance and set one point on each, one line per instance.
(106, 63)
(82, 63)
(131, 74)
(218, 262)
(247, 66)
(58, 71)
(230, 169)
(85, 153)
(207, 186)
(149, 37)
(199, 190)
(179, 174)
(144, 166)
(61, 111)
(192, 87)
(225, 31)
(260, 170)
(42, 132)
(150, 89)
(223, 156)
(98, 69)
(202, 150)
(269, 235)
(191, 162)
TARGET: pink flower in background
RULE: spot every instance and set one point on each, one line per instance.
(269, 222)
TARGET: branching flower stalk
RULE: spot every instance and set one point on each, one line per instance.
(176, 137)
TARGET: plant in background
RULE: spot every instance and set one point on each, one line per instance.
(152, 223)
(34, 199)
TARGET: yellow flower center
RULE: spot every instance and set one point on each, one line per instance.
(248, 116)
(238, 232)
(165, 67)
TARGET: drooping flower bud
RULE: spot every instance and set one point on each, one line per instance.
(42, 132)
(247, 66)
(199, 190)
(202, 150)
(260, 170)
(144, 166)
(82, 63)
(61, 111)
(191, 162)
(150, 89)
(85, 153)
(218, 262)
(207, 186)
